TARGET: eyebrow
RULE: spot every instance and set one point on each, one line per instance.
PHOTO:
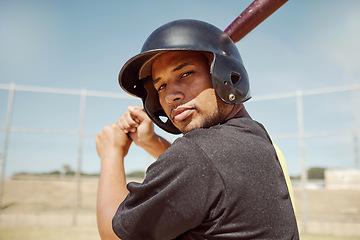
(182, 65)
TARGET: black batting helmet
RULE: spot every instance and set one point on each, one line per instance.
(229, 77)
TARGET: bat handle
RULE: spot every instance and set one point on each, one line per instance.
(251, 17)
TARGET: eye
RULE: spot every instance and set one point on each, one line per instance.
(187, 74)
(162, 86)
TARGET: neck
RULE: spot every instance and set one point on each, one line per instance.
(238, 111)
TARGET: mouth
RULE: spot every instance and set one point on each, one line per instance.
(181, 113)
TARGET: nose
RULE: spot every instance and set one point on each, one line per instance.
(173, 94)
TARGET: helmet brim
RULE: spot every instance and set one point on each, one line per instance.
(129, 78)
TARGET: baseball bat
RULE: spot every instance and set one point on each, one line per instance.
(251, 17)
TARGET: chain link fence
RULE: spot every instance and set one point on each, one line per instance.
(48, 129)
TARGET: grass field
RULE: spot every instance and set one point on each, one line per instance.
(44, 209)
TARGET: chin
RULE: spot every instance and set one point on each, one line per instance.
(189, 127)
(194, 123)
(184, 128)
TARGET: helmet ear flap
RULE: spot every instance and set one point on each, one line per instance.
(230, 80)
(154, 110)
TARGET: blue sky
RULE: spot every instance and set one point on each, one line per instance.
(83, 44)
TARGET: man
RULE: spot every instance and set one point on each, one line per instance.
(222, 179)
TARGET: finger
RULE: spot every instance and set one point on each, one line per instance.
(127, 123)
(138, 112)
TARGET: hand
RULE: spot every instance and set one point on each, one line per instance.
(112, 142)
(136, 123)
(112, 145)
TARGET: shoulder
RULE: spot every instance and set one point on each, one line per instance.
(184, 152)
(237, 125)
(236, 133)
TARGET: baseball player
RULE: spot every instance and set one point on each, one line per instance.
(222, 178)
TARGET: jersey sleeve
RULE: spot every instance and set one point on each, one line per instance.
(178, 194)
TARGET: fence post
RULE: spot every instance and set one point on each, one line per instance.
(6, 140)
(356, 151)
(300, 116)
(79, 155)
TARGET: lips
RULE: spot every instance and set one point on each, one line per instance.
(180, 114)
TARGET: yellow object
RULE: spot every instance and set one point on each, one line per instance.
(286, 174)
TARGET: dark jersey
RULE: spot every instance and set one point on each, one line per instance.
(223, 182)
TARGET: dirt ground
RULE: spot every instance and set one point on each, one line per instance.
(90, 233)
(45, 209)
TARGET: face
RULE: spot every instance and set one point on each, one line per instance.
(183, 82)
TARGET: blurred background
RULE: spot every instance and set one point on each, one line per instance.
(59, 62)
